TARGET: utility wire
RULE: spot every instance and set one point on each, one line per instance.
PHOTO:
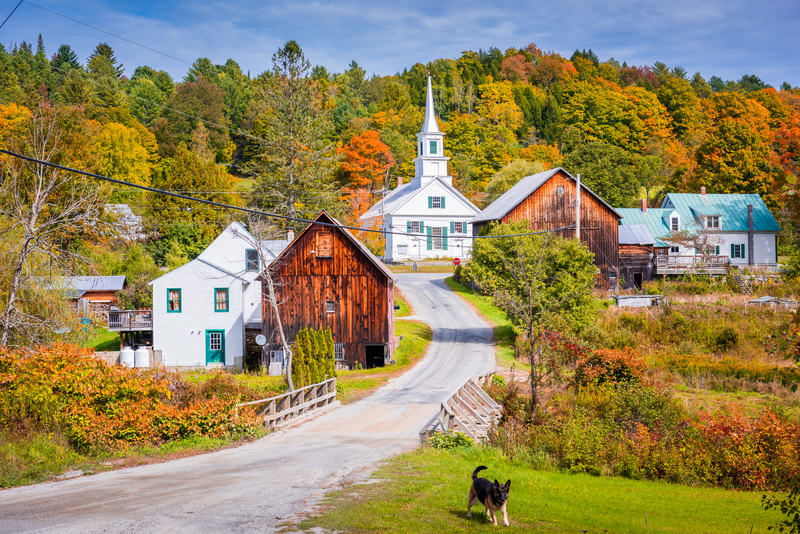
(12, 12)
(242, 209)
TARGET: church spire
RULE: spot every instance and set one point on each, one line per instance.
(430, 125)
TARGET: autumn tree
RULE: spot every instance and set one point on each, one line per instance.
(508, 176)
(366, 160)
(294, 158)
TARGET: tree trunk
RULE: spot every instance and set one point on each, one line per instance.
(534, 393)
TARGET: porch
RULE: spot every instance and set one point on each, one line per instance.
(691, 264)
(130, 321)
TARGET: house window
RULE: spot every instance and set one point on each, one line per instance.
(460, 227)
(437, 238)
(414, 227)
(330, 306)
(674, 224)
(338, 352)
(712, 222)
(674, 250)
(712, 251)
(560, 190)
(402, 249)
(436, 202)
(433, 147)
(173, 300)
(737, 251)
(324, 245)
(276, 356)
(251, 259)
(221, 299)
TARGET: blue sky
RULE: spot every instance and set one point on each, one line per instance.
(726, 38)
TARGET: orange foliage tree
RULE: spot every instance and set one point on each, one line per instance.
(359, 201)
(366, 160)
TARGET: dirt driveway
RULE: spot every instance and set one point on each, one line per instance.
(256, 487)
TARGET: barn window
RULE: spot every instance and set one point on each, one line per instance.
(251, 259)
(330, 306)
(221, 299)
(560, 190)
(324, 245)
(338, 352)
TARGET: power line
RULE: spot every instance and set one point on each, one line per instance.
(242, 209)
(12, 12)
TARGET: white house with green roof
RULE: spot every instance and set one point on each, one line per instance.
(426, 218)
(748, 233)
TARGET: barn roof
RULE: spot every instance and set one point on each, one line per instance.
(522, 190)
(370, 256)
(635, 234)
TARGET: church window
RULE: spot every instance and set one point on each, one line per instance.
(433, 147)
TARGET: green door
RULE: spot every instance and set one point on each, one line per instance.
(215, 346)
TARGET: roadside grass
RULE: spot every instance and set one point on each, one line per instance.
(41, 457)
(267, 385)
(425, 491)
(497, 319)
(357, 384)
(777, 398)
(405, 309)
(422, 269)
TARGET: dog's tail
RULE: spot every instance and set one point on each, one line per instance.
(477, 470)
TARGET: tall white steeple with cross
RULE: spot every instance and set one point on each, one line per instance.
(430, 162)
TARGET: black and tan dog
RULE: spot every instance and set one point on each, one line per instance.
(492, 496)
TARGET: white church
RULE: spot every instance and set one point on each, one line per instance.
(426, 218)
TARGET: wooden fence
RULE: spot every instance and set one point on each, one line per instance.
(470, 410)
(280, 409)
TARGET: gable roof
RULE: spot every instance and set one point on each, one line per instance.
(400, 195)
(653, 219)
(732, 208)
(83, 284)
(522, 190)
(635, 234)
(370, 256)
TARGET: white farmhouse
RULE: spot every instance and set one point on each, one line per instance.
(426, 218)
(202, 309)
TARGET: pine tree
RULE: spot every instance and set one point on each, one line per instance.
(66, 58)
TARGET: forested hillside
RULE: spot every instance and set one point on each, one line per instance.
(296, 138)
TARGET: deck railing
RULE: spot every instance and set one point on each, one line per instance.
(692, 261)
(280, 409)
(470, 410)
(130, 320)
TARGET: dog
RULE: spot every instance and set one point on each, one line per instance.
(492, 496)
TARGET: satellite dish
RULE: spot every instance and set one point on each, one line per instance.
(261, 340)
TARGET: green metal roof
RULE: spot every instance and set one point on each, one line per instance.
(653, 218)
(732, 208)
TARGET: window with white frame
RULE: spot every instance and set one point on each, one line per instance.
(712, 222)
(402, 249)
(674, 250)
(330, 306)
(433, 147)
(674, 224)
(436, 202)
(436, 239)
(338, 352)
(460, 227)
(415, 227)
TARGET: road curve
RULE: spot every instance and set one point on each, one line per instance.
(256, 487)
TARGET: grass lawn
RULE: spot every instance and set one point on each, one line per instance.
(405, 310)
(497, 319)
(98, 338)
(426, 491)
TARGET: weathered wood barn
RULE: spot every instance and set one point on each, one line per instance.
(328, 278)
(547, 201)
(636, 255)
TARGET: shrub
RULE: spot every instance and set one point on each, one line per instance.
(727, 338)
(610, 365)
(313, 359)
(449, 440)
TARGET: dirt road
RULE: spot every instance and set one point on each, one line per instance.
(256, 487)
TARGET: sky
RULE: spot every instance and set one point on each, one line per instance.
(725, 38)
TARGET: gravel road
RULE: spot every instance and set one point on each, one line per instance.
(256, 487)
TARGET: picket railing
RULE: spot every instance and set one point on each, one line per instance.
(280, 409)
(470, 410)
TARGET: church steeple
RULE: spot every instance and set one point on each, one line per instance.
(430, 162)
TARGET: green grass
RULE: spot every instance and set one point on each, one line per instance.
(405, 309)
(426, 491)
(422, 269)
(497, 319)
(357, 384)
(98, 338)
(268, 385)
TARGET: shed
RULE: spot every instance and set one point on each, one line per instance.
(636, 254)
(547, 201)
(94, 294)
(328, 278)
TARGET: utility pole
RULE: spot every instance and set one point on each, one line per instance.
(578, 208)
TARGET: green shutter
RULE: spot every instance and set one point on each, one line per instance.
(452, 227)
(408, 227)
(430, 241)
(442, 202)
(744, 254)
(421, 226)
(430, 202)
(717, 252)
(444, 238)
(732, 250)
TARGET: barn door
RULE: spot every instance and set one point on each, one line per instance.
(215, 346)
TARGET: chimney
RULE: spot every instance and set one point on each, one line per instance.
(703, 190)
(290, 236)
(750, 235)
(644, 205)
(399, 181)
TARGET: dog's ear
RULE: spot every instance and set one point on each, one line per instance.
(508, 484)
(496, 483)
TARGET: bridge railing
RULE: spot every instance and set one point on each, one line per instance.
(280, 409)
(469, 409)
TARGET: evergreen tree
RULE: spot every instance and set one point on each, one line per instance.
(104, 61)
(65, 58)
